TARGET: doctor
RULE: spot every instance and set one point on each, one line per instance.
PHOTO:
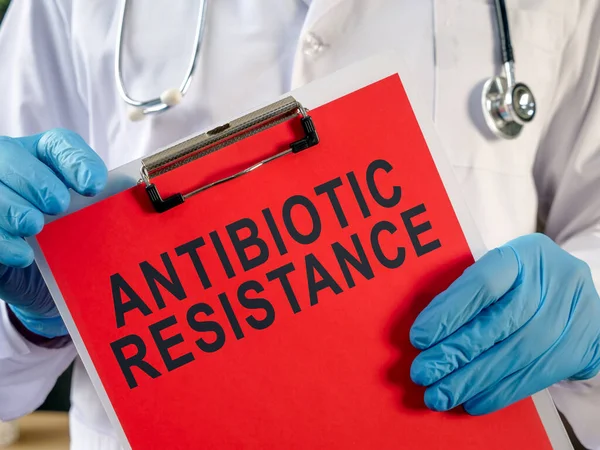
(523, 318)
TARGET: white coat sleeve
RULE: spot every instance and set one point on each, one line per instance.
(567, 173)
(38, 91)
(27, 372)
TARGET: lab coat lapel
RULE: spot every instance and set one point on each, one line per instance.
(323, 18)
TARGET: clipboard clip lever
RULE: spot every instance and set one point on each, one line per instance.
(198, 146)
(310, 139)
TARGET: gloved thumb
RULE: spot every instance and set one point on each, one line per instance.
(24, 288)
(69, 156)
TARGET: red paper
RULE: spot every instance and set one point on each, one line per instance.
(334, 375)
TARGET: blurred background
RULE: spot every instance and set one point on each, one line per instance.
(59, 398)
(47, 428)
(3, 6)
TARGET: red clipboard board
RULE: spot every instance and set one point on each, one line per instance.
(222, 308)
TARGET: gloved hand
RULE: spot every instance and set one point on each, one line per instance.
(35, 174)
(522, 318)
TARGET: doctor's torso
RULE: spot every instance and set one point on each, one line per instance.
(255, 50)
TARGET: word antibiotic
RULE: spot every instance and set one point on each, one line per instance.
(255, 246)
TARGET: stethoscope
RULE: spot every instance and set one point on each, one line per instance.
(138, 109)
(507, 105)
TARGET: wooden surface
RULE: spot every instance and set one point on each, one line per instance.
(43, 431)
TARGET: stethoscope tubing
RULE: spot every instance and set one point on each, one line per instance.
(506, 50)
(156, 104)
(507, 105)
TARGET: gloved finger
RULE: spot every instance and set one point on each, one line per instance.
(492, 366)
(72, 159)
(492, 325)
(14, 251)
(25, 288)
(515, 387)
(17, 216)
(31, 179)
(478, 287)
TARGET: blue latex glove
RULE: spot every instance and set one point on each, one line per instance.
(522, 318)
(35, 175)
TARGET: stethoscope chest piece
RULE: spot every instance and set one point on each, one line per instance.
(507, 106)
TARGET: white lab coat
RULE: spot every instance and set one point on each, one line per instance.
(56, 61)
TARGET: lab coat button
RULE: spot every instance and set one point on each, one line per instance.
(313, 45)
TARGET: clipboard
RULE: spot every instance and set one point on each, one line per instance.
(155, 185)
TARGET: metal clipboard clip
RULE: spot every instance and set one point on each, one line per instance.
(220, 137)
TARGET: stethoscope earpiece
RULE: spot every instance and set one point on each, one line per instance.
(170, 97)
(135, 114)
